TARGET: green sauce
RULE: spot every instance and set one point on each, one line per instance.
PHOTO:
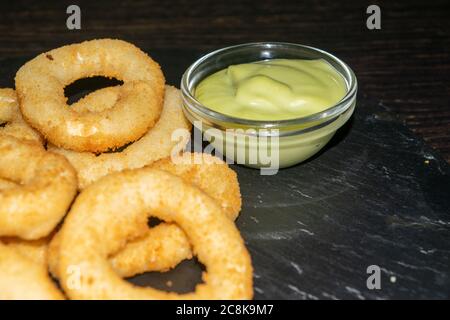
(275, 89)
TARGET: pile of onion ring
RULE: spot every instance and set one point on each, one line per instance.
(164, 246)
(116, 208)
(155, 144)
(115, 147)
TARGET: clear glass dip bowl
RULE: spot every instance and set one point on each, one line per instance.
(291, 141)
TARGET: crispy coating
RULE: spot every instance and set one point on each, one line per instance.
(164, 246)
(98, 101)
(210, 174)
(22, 278)
(40, 86)
(161, 248)
(157, 143)
(35, 250)
(11, 117)
(112, 210)
(47, 186)
(8, 100)
(7, 184)
(156, 249)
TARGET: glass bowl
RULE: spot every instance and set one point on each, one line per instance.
(268, 145)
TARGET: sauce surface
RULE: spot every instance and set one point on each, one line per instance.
(276, 89)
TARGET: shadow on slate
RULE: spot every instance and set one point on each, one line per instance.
(377, 195)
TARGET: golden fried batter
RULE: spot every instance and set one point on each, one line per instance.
(163, 247)
(40, 86)
(11, 117)
(154, 145)
(48, 184)
(22, 278)
(114, 209)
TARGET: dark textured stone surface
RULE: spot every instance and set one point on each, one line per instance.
(375, 195)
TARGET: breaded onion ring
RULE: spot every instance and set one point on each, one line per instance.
(40, 86)
(109, 212)
(164, 246)
(210, 174)
(21, 278)
(47, 187)
(154, 145)
(156, 249)
(11, 117)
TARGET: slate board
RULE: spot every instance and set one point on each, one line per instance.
(376, 195)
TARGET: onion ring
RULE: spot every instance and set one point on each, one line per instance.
(164, 246)
(23, 278)
(208, 173)
(40, 86)
(154, 145)
(157, 249)
(47, 187)
(12, 118)
(115, 208)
